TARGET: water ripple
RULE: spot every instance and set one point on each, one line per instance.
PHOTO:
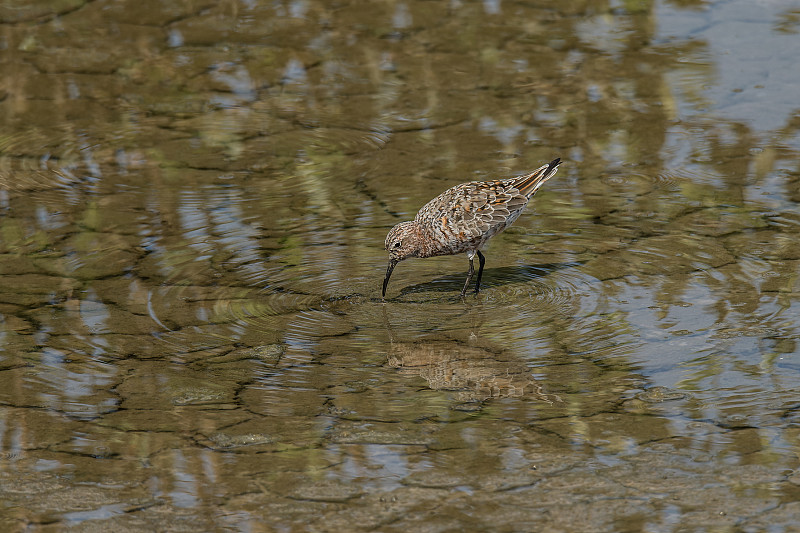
(32, 161)
(630, 183)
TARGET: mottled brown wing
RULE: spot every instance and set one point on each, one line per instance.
(473, 211)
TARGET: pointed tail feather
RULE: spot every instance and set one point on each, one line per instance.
(530, 183)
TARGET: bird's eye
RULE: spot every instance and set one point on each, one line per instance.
(397, 244)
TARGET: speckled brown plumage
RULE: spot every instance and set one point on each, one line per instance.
(463, 218)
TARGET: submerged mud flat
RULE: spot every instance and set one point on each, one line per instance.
(193, 203)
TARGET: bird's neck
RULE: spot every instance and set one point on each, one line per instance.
(425, 243)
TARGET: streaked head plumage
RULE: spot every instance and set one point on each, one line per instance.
(402, 241)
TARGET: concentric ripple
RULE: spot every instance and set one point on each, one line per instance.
(630, 183)
(32, 161)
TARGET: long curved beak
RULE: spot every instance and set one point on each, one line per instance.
(392, 264)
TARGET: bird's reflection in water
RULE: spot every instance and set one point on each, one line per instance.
(476, 373)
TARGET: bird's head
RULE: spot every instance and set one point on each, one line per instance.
(402, 242)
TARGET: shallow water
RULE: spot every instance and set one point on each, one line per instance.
(193, 203)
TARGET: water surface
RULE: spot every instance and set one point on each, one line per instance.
(193, 203)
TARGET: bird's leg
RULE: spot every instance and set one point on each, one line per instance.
(482, 261)
(469, 277)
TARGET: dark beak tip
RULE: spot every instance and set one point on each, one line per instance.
(389, 269)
